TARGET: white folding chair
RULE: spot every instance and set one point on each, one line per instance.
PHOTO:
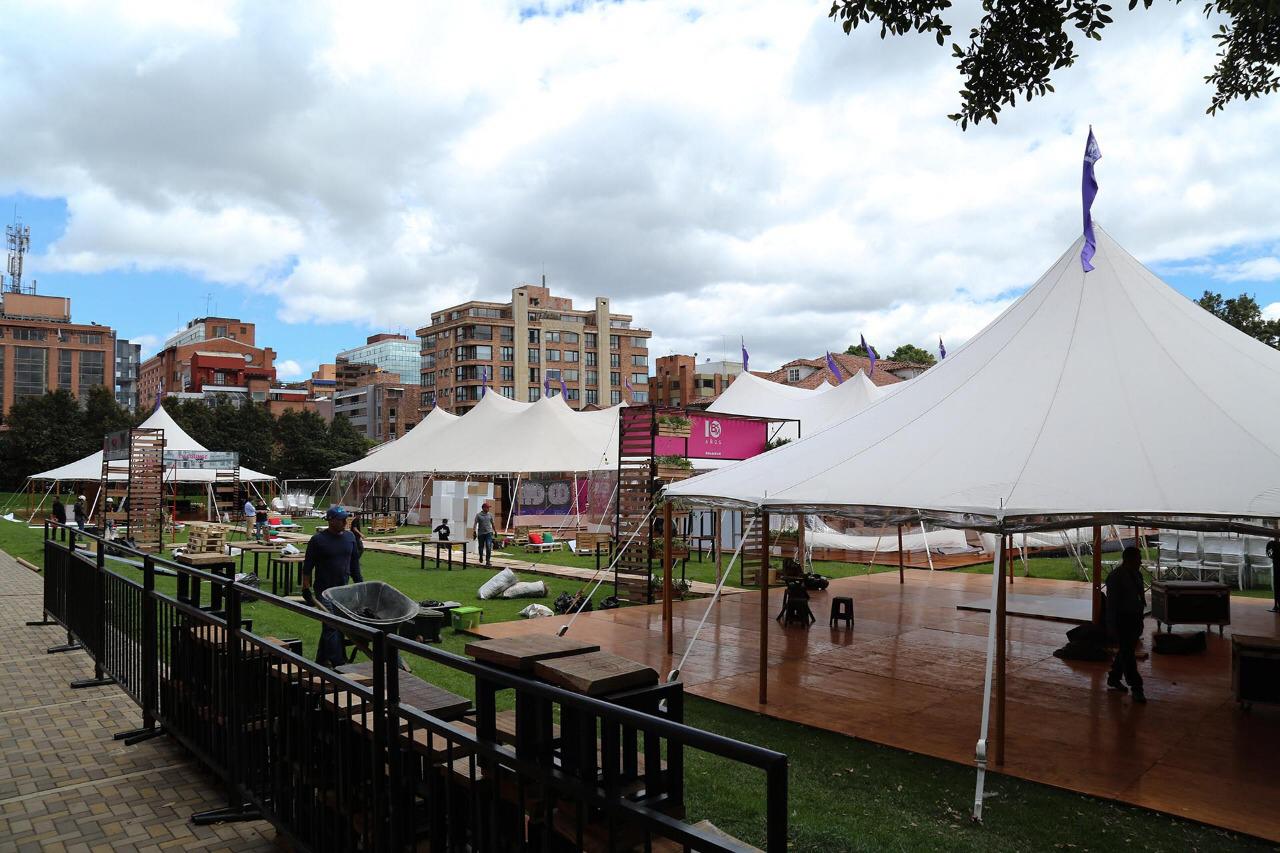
(1189, 561)
(1233, 561)
(1256, 559)
(1211, 557)
(1168, 558)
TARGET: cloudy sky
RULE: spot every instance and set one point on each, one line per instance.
(718, 169)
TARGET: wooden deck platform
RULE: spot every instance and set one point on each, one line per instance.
(910, 675)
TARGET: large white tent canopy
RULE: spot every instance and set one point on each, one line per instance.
(175, 438)
(806, 411)
(501, 436)
(1096, 397)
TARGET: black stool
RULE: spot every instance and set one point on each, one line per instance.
(842, 608)
(795, 607)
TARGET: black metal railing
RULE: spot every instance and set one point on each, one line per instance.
(337, 762)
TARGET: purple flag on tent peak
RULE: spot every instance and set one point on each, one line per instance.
(484, 380)
(744, 357)
(563, 393)
(1088, 190)
(871, 354)
(942, 350)
(546, 385)
(834, 367)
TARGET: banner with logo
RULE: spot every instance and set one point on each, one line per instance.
(205, 460)
(713, 437)
(551, 496)
(115, 446)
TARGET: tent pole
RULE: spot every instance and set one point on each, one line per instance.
(875, 553)
(800, 549)
(764, 608)
(1096, 581)
(980, 752)
(666, 577)
(1002, 645)
(902, 578)
(1008, 567)
(925, 534)
(1026, 566)
(717, 530)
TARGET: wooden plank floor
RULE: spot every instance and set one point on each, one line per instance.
(910, 674)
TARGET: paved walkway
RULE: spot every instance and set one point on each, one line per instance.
(64, 783)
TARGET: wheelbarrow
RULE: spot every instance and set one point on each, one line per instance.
(373, 603)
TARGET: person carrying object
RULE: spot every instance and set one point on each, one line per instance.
(332, 559)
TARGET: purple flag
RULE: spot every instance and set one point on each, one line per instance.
(630, 390)
(942, 350)
(744, 356)
(563, 393)
(834, 368)
(546, 385)
(484, 380)
(1088, 190)
(159, 397)
(871, 354)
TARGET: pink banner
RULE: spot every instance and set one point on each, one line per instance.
(712, 437)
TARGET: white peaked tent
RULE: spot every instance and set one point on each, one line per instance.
(1097, 397)
(809, 410)
(499, 437)
(175, 438)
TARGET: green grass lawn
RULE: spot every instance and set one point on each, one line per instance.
(845, 794)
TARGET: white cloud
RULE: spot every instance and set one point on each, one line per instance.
(288, 370)
(1256, 269)
(745, 170)
(1272, 311)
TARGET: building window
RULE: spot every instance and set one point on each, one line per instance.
(219, 331)
(590, 339)
(552, 337)
(593, 397)
(613, 342)
(30, 371)
(507, 374)
(615, 360)
(508, 391)
(615, 397)
(639, 396)
(639, 343)
(535, 375)
(535, 394)
(91, 337)
(506, 333)
(570, 337)
(591, 359)
(535, 356)
(571, 393)
(639, 378)
(24, 334)
(570, 376)
(639, 361)
(534, 336)
(553, 355)
(615, 378)
(571, 355)
(64, 369)
(507, 353)
(793, 374)
(593, 377)
(1, 373)
(92, 370)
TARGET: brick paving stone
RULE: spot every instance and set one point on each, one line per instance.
(65, 784)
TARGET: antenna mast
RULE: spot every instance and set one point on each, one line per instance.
(18, 236)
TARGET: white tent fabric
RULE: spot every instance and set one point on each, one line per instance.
(813, 409)
(175, 438)
(1094, 397)
(937, 541)
(502, 436)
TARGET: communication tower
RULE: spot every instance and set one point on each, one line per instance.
(18, 236)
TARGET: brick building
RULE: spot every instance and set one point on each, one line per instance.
(214, 357)
(679, 381)
(378, 404)
(534, 338)
(812, 372)
(42, 350)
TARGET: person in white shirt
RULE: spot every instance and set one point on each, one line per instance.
(250, 517)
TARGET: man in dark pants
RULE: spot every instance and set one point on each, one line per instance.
(1126, 605)
(333, 558)
(60, 516)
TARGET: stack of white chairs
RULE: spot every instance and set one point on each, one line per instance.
(1211, 566)
(1260, 565)
(1232, 563)
(1168, 560)
(1190, 561)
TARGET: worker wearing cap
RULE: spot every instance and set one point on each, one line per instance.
(81, 514)
(484, 533)
(332, 559)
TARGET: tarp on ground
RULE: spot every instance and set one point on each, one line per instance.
(1095, 397)
(175, 438)
(499, 436)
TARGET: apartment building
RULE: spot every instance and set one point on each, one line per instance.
(380, 406)
(679, 380)
(390, 352)
(529, 345)
(128, 360)
(212, 358)
(42, 350)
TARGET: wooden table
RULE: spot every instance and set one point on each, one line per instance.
(520, 654)
(595, 673)
(285, 563)
(256, 548)
(423, 695)
(448, 545)
(216, 563)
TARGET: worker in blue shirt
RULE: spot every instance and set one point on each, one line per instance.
(332, 559)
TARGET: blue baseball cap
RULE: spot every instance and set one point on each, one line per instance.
(335, 512)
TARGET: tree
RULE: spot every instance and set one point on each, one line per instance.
(912, 354)
(1245, 314)
(858, 350)
(1018, 43)
(346, 442)
(44, 432)
(303, 448)
(102, 415)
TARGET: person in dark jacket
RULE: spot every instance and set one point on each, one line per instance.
(441, 530)
(81, 514)
(332, 559)
(1126, 606)
(59, 514)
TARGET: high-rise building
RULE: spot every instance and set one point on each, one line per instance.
(128, 360)
(214, 357)
(380, 406)
(42, 350)
(679, 381)
(393, 353)
(532, 343)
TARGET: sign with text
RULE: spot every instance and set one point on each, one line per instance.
(712, 437)
(205, 460)
(551, 496)
(115, 446)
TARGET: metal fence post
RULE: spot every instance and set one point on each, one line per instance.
(48, 583)
(776, 803)
(150, 664)
(383, 811)
(98, 630)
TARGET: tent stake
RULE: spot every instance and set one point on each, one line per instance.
(764, 608)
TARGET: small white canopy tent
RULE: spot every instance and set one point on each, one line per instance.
(1096, 398)
(399, 456)
(806, 411)
(175, 438)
